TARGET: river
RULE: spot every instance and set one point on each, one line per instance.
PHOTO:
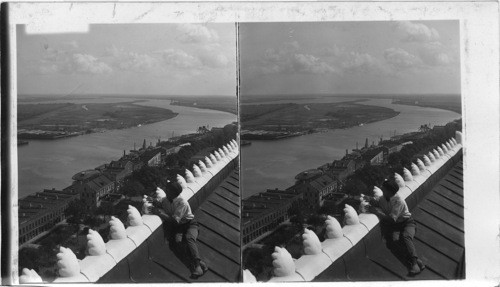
(274, 164)
(52, 163)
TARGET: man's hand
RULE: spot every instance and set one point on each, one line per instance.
(156, 203)
(376, 211)
(380, 214)
(161, 213)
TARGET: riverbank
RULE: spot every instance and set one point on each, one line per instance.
(55, 120)
(442, 106)
(223, 104)
(273, 163)
(278, 121)
(444, 102)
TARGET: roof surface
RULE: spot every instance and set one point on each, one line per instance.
(218, 242)
(261, 204)
(48, 199)
(321, 182)
(439, 241)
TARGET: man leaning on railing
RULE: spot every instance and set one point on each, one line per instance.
(396, 221)
(176, 213)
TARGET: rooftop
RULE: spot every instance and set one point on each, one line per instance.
(34, 206)
(139, 253)
(371, 153)
(439, 240)
(149, 154)
(99, 182)
(308, 174)
(261, 204)
(355, 252)
(321, 182)
(86, 175)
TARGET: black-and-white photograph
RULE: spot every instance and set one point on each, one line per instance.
(240, 142)
(351, 151)
(127, 154)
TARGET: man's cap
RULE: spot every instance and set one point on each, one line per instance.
(174, 188)
(390, 185)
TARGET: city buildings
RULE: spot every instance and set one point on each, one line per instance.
(314, 188)
(263, 212)
(151, 157)
(92, 185)
(41, 211)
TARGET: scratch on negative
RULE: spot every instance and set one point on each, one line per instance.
(144, 14)
(114, 10)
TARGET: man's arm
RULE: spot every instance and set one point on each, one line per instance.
(381, 215)
(398, 206)
(180, 210)
(161, 213)
(372, 201)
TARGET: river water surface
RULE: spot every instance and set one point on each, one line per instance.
(52, 163)
(274, 164)
(265, 164)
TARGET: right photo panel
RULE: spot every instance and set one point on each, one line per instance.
(351, 151)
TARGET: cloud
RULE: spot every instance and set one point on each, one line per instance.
(196, 33)
(212, 56)
(179, 59)
(130, 61)
(435, 54)
(331, 51)
(88, 64)
(214, 60)
(310, 64)
(68, 62)
(288, 59)
(363, 62)
(48, 68)
(72, 45)
(401, 59)
(416, 32)
(291, 46)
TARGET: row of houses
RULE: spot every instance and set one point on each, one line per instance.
(313, 189)
(41, 211)
(263, 212)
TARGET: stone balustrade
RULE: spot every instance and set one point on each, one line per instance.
(320, 255)
(102, 257)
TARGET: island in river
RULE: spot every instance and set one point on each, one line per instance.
(57, 120)
(277, 121)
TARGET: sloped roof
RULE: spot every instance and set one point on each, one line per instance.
(371, 153)
(86, 174)
(149, 154)
(99, 182)
(321, 182)
(439, 240)
(260, 205)
(41, 203)
(218, 242)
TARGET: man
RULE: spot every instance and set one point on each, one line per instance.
(396, 222)
(176, 213)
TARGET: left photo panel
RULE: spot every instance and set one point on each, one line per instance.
(128, 153)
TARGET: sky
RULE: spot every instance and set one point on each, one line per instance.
(383, 57)
(129, 59)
